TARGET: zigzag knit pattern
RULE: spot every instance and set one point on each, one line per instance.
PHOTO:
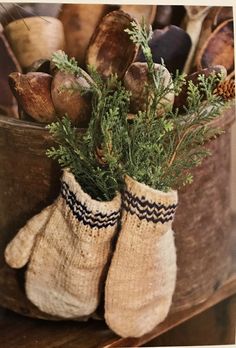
(147, 210)
(82, 213)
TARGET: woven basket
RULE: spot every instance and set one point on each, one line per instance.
(29, 181)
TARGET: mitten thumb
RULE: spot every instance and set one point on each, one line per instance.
(18, 251)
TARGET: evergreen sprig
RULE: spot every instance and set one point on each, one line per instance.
(93, 157)
(66, 64)
(157, 151)
(170, 146)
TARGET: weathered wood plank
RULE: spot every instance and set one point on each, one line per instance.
(216, 326)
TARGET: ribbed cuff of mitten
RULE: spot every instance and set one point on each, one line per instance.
(95, 214)
(147, 203)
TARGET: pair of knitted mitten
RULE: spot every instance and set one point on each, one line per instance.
(141, 278)
(67, 247)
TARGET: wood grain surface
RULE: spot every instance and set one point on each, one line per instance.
(212, 327)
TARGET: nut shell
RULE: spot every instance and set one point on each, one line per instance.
(181, 99)
(214, 18)
(135, 79)
(33, 93)
(111, 51)
(76, 106)
(219, 48)
(171, 44)
(79, 22)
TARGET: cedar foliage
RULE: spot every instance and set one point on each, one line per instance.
(92, 156)
(170, 146)
(157, 151)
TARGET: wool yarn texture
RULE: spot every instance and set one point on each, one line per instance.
(68, 248)
(142, 275)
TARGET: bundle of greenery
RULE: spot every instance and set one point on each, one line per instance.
(156, 149)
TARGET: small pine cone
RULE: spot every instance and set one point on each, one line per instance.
(226, 89)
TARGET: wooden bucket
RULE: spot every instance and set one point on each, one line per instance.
(29, 181)
(202, 224)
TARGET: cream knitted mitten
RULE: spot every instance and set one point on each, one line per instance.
(68, 246)
(141, 278)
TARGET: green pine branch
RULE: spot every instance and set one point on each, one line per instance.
(170, 146)
(93, 157)
(157, 151)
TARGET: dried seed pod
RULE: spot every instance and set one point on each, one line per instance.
(9, 63)
(140, 11)
(194, 19)
(79, 22)
(33, 93)
(226, 89)
(181, 99)
(219, 48)
(111, 50)
(69, 101)
(172, 44)
(34, 38)
(162, 17)
(214, 18)
(135, 80)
